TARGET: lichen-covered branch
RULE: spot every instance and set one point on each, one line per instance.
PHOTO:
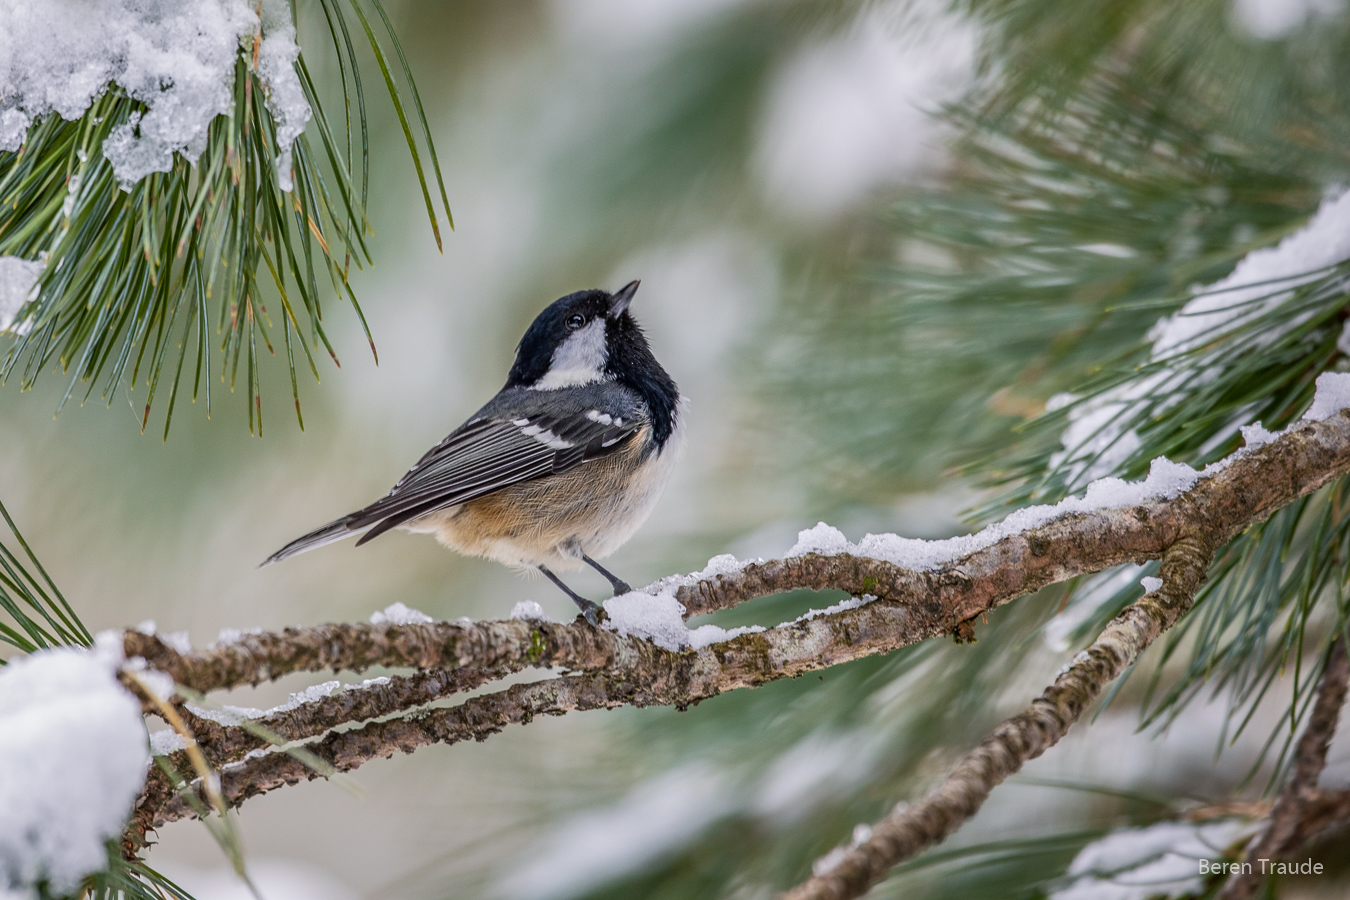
(911, 828)
(1300, 805)
(608, 669)
(474, 719)
(912, 606)
(226, 743)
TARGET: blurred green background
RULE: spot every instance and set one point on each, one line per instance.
(757, 165)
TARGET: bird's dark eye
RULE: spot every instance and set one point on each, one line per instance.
(576, 321)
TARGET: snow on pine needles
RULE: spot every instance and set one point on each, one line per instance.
(73, 757)
(175, 56)
(1099, 438)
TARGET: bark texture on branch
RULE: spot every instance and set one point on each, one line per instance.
(475, 719)
(911, 828)
(609, 670)
(1300, 810)
(912, 606)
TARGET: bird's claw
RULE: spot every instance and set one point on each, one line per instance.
(591, 612)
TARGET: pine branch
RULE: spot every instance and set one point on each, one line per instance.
(613, 670)
(1300, 804)
(188, 272)
(911, 829)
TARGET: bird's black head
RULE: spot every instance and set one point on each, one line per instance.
(590, 337)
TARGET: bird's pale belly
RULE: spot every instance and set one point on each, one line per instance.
(591, 509)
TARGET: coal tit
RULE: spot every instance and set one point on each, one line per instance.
(560, 468)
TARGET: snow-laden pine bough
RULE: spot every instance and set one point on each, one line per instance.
(903, 592)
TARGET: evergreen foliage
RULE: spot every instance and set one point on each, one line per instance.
(144, 287)
(39, 615)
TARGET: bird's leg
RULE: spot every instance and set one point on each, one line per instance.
(620, 586)
(589, 609)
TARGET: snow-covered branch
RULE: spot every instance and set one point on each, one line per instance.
(644, 654)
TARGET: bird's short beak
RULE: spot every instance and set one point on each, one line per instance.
(618, 304)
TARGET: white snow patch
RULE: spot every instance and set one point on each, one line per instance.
(229, 636)
(843, 605)
(1262, 280)
(161, 684)
(18, 285)
(1161, 860)
(1165, 480)
(1115, 251)
(308, 695)
(1256, 436)
(1151, 583)
(529, 611)
(595, 847)
(855, 111)
(724, 564)
(657, 617)
(1332, 396)
(400, 614)
(706, 635)
(815, 768)
(1270, 20)
(164, 742)
(1343, 340)
(235, 715)
(176, 640)
(377, 681)
(1096, 442)
(73, 757)
(227, 714)
(176, 56)
(285, 95)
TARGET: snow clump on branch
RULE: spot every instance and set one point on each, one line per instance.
(73, 757)
(175, 56)
(400, 614)
(1166, 480)
(657, 615)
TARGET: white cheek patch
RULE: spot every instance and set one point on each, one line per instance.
(578, 360)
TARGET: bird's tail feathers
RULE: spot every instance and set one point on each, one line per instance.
(328, 534)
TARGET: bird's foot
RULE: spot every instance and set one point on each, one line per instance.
(591, 612)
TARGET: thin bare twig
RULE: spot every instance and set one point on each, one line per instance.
(1290, 818)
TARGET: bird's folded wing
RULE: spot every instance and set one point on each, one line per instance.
(488, 454)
